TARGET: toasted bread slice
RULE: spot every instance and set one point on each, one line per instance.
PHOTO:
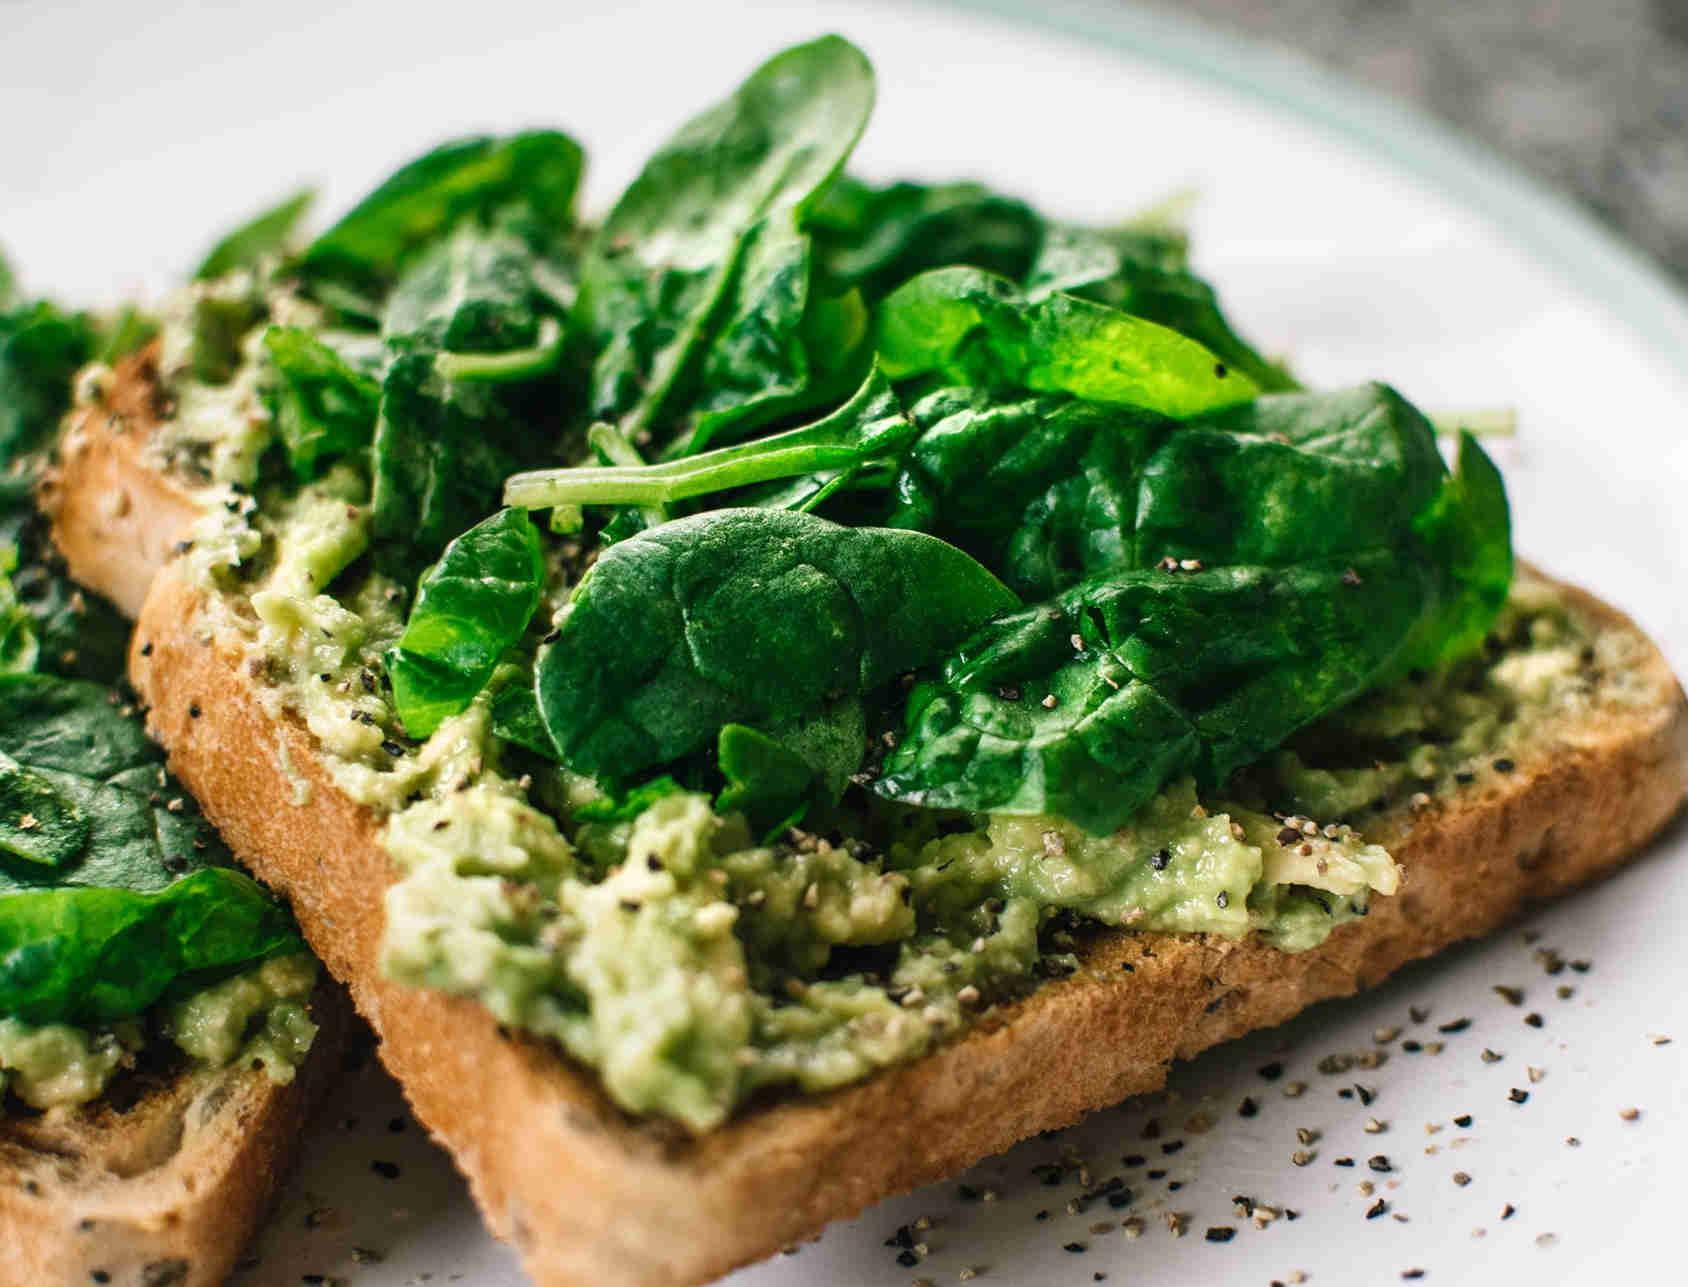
(161, 1181)
(590, 1195)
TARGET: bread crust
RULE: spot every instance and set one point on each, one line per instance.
(161, 1181)
(590, 1195)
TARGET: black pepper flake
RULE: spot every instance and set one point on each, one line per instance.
(1456, 1025)
(1151, 1129)
(1508, 1211)
(1510, 995)
(1248, 1108)
(907, 1259)
(1504, 765)
(1464, 1119)
(1128, 967)
(1133, 1159)
(1376, 1209)
(1075, 1248)
(1345, 1161)
(1411, 1047)
(1465, 777)
(1041, 1215)
(1582, 967)
(1271, 1072)
(1380, 1163)
(1171, 1147)
(1533, 1019)
(552, 637)
(1219, 371)
(386, 1170)
(903, 1237)
(1366, 1094)
(1221, 1233)
(392, 748)
(1120, 1200)
(100, 1276)
(1347, 1092)
(396, 1125)
(1223, 899)
(1518, 1096)
(193, 710)
(968, 1193)
(1412, 1273)
(1160, 858)
(146, 648)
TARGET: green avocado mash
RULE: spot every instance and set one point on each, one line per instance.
(258, 1016)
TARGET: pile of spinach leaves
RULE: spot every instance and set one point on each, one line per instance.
(911, 486)
(114, 891)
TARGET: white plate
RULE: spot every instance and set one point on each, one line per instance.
(1354, 237)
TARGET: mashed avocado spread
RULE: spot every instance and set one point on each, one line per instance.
(693, 963)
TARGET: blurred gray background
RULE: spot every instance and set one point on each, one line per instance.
(1589, 96)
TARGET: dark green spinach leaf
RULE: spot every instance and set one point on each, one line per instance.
(658, 285)
(471, 606)
(144, 902)
(970, 327)
(323, 406)
(527, 180)
(756, 617)
(266, 233)
(40, 350)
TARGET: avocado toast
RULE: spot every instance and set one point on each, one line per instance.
(163, 1033)
(821, 918)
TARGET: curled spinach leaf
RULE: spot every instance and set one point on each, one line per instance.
(775, 780)
(671, 275)
(526, 180)
(323, 405)
(266, 233)
(470, 607)
(970, 327)
(145, 902)
(755, 617)
(38, 822)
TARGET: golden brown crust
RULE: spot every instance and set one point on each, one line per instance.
(120, 519)
(160, 1182)
(591, 1196)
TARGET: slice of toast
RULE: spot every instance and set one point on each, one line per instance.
(590, 1195)
(161, 1181)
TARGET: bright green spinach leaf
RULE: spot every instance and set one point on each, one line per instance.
(144, 902)
(970, 327)
(471, 606)
(323, 406)
(659, 282)
(470, 293)
(266, 233)
(752, 616)
(776, 780)
(526, 180)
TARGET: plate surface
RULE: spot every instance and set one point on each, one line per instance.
(1354, 238)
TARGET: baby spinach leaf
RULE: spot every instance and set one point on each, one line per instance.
(56, 627)
(8, 285)
(970, 327)
(530, 177)
(629, 805)
(877, 238)
(469, 293)
(662, 269)
(40, 350)
(1129, 269)
(515, 718)
(780, 345)
(38, 823)
(143, 901)
(775, 780)
(442, 452)
(744, 616)
(1173, 673)
(470, 607)
(1275, 560)
(872, 425)
(323, 406)
(266, 233)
